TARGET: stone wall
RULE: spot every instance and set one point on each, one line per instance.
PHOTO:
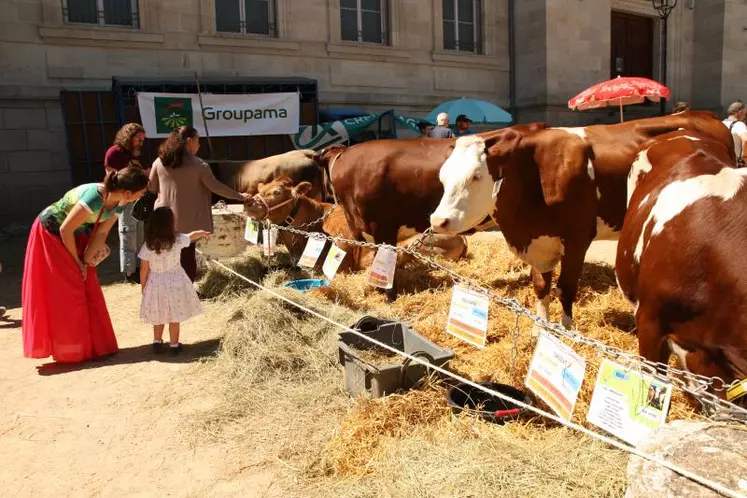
(40, 55)
(562, 47)
(34, 163)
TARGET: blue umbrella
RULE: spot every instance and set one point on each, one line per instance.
(479, 111)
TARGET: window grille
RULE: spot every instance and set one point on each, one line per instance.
(103, 12)
(253, 17)
(462, 22)
(364, 21)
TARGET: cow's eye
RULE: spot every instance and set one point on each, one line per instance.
(277, 191)
(475, 177)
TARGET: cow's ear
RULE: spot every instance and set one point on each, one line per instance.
(504, 144)
(302, 189)
(500, 149)
(560, 163)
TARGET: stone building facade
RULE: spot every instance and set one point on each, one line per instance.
(408, 55)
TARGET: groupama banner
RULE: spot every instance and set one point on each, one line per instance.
(226, 114)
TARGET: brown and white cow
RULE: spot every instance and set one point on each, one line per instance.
(286, 204)
(299, 165)
(552, 190)
(679, 255)
(388, 188)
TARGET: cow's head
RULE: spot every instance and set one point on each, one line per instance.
(275, 201)
(471, 176)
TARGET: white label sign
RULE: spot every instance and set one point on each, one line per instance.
(628, 404)
(226, 114)
(251, 233)
(314, 247)
(382, 270)
(468, 316)
(333, 261)
(269, 241)
(556, 374)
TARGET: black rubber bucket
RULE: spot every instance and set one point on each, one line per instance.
(463, 397)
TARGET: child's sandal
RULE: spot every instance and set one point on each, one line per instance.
(158, 347)
(175, 349)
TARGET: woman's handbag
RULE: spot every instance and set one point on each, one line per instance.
(144, 206)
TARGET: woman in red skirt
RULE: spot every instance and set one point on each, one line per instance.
(64, 312)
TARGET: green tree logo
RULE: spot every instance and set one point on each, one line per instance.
(172, 112)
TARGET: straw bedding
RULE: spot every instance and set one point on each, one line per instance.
(282, 392)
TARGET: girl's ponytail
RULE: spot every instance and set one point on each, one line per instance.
(110, 181)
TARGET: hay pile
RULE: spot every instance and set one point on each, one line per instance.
(282, 390)
(601, 312)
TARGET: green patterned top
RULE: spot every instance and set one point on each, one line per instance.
(87, 195)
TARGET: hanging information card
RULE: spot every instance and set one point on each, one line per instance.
(468, 316)
(628, 404)
(314, 248)
(556, 374)
(251, 233)
(333, 261)
(269, 241)
(381, 273)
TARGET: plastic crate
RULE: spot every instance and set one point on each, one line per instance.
(398, 373)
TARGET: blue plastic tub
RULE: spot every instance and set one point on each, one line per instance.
(306, 284)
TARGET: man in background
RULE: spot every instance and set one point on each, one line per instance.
(463, 124)
(681, 107)
(425, 128)
(735, 122)
(441, 130)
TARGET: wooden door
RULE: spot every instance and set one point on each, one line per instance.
(632, 45)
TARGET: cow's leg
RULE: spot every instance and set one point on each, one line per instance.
(571, 266)
(542, 283)
(651, 343)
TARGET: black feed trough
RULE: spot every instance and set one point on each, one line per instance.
(463, 397)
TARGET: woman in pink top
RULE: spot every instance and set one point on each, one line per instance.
(184, 182)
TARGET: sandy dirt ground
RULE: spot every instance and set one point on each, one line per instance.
(121, 426)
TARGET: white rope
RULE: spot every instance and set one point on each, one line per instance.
(715, 486)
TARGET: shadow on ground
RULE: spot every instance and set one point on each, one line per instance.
(137, 354)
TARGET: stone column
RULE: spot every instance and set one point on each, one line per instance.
(562, 47)
(708, 54)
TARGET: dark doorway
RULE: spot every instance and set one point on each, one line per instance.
(632, 45)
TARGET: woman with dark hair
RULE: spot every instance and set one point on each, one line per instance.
(126, 150)
(184, 182)
(64, 312)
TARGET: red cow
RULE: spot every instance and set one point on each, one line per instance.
(679, 255)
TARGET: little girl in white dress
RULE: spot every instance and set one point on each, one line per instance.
(168, 294)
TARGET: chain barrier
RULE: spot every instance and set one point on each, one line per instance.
(694, 384)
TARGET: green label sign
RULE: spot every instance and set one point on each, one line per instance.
(172, 112)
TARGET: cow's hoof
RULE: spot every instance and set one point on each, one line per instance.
(567, 322)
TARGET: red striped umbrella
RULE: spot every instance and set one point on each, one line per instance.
(619, 91)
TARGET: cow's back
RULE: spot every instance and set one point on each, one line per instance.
(387, 184)
(684, 226)
(614, 149)
(298, 165)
